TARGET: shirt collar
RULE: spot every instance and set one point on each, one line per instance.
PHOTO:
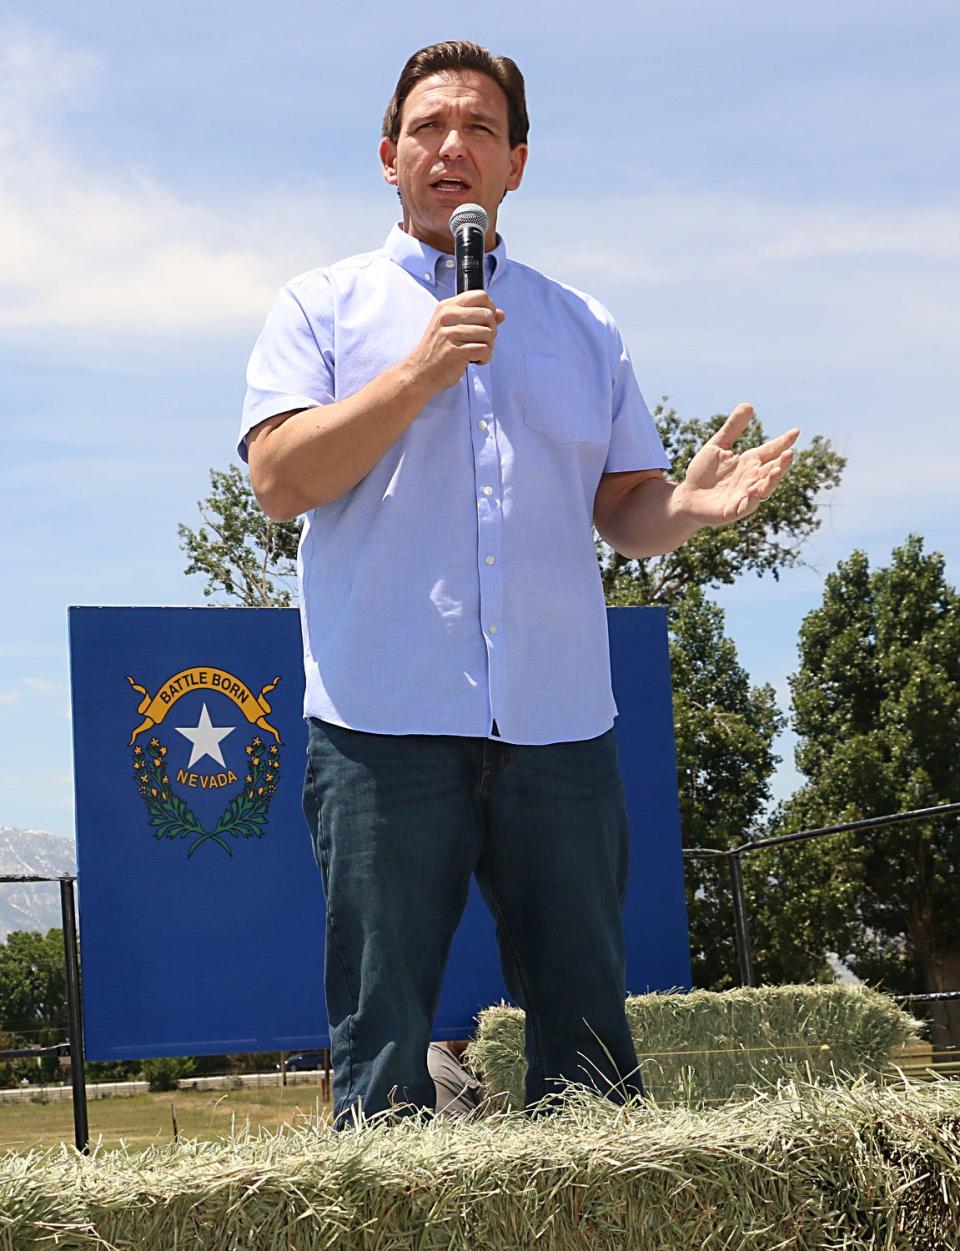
(425, 262)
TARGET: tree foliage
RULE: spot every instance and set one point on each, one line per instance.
(724, 727)
(725, 730)
(242, 553)
(877, 712)
(33, 990)
(165, 1072)
(15, 1071)
(766, 543)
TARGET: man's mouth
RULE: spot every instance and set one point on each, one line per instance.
(450, 184)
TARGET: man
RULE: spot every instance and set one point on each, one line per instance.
(451, 454)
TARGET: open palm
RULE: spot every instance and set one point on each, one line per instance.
(722, 485)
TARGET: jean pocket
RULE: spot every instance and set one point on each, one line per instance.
(564, 402)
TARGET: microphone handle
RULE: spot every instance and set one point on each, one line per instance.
(468, 246)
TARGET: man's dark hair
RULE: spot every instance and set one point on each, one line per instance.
(461, 54)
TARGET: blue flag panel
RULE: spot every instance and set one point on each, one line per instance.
(201, 909)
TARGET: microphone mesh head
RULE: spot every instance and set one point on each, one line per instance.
(469, 215)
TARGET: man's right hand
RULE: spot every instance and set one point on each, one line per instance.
(307, 458)
(461, 332)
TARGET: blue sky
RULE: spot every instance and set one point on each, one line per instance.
(764, 194)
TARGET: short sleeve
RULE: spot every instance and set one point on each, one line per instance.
(291, 365)
(634, 441)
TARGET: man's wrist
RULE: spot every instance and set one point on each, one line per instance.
(414, 383)
(411, 387)
(683, 510)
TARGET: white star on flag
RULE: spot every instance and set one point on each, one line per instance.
(205, 738)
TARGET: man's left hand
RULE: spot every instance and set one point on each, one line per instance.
(722, 485)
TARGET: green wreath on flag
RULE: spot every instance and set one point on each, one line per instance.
(244, 817)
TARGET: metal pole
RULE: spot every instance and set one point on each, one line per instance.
(741, 920)
(74, 1014)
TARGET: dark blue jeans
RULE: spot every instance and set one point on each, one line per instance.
(399, 825)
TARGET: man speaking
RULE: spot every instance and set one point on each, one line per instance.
(452, 453)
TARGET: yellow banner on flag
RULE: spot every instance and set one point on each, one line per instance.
(153, 708)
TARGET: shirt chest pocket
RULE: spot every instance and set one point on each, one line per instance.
(564, 402)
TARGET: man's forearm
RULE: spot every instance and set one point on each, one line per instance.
(641, 514)
(651, 518)
(318, 454)
(311, 458)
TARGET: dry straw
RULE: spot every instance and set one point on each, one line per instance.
(793, 1166)
(704, 1047)
(791, 1170)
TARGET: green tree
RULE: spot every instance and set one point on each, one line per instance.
(165, 1072)
(877, 711)
(768, 542)
(724, 727)
(725, 730)
(14, 1071)
(33, 991)
(242, 553)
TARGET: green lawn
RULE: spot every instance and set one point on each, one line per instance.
(145, 1119)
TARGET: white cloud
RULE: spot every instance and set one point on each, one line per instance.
(38, 71)
(733, 282)
(674, 237)
(843, 316)
(42, 686)
(115, 253)
(123, 256)
(104, 251)
(924, 235)
(57, 788)
(8, 697)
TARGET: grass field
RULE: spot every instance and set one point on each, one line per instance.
(147, 1119)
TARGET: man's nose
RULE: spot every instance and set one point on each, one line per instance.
(452, 144)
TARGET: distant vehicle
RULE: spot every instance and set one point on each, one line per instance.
(305, 1061)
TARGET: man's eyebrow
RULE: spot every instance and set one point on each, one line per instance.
(435, 115)
(479, 116)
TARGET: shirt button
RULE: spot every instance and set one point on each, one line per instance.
(488, 490)
(429, 277)
(482, 424)
(490, 560)
(491, 629)
(449, 262)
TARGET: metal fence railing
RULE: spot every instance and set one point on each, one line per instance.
(73, 1046)
(74, 1043)
(741, 916)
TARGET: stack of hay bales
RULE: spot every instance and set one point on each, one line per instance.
(834, 1160)
(704, 1047)
(859, 1169)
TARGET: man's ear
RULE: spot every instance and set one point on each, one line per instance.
(388, 161)
(518, 161)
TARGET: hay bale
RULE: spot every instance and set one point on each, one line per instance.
(796, 1169)
(705, 1047)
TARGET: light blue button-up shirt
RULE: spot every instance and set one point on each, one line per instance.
(457, 584)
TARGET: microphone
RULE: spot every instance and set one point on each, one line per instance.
(468, 225)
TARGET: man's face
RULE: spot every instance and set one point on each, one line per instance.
(453, 148)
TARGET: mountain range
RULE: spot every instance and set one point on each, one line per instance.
(32, 905)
